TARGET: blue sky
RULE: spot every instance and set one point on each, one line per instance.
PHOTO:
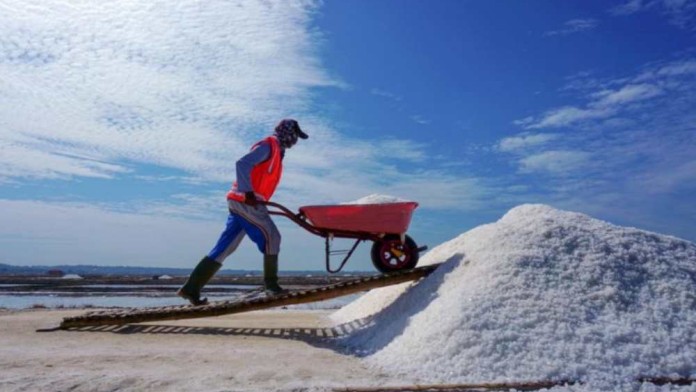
(120, 123)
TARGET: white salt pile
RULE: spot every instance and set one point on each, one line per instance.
(541, 294)
(71, 276)
(377, 199)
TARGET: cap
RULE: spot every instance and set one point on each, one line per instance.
(291, 124)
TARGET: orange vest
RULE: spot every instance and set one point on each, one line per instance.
(265, 176)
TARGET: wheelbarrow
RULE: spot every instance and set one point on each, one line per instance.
(383, 224)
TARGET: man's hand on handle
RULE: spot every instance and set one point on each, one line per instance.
(250, 199)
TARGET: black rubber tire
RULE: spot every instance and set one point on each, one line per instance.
(385, 261)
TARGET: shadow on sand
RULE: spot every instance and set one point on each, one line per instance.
(318, 337)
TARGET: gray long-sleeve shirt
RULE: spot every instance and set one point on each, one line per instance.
(246, 163)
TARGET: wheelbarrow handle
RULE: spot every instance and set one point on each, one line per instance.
(283, 210)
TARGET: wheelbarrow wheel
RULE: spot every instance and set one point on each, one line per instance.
(389, 254)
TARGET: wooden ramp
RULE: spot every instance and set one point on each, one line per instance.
(219, 308)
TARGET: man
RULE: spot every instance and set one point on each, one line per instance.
(258, 175)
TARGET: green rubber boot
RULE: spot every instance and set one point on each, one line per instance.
(270, 275)
(204, 271)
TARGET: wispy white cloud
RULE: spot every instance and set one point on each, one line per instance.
(629, 7)
(386, 94)
(604, 103)
(574, 26)
(525, 141)
(677, 68)
(564, 116)
(420, 119)
(667, 179)
(626, 94)
(404, 150)
(681, 13)
(181, 85)
(555, 162)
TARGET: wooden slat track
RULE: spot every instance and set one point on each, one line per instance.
(219, 308)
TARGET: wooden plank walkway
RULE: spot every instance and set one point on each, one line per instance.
(219, 308)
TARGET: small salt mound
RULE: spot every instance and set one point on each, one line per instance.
(71, 276)
(377, 199)
(541, 294)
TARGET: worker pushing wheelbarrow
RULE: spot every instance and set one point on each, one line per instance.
(258, 175)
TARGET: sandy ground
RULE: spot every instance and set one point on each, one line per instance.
(258, 351)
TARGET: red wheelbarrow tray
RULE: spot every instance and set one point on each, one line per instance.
(383, 218)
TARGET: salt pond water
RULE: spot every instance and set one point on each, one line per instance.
(132, 300)
(62, 301)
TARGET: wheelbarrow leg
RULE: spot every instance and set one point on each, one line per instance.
(330, 252)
